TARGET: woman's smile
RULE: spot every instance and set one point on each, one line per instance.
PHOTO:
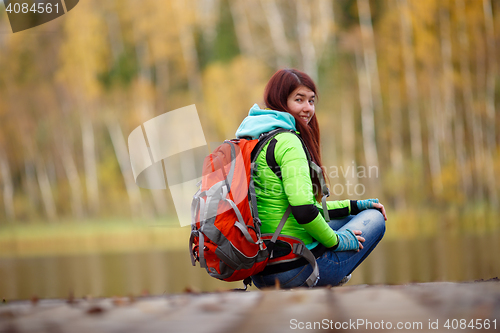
(305, 118)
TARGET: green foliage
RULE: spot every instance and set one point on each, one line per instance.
(122, 72)
(225, 45)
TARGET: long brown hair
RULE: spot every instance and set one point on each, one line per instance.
(279, 87)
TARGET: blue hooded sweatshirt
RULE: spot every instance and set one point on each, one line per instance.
(262, 121)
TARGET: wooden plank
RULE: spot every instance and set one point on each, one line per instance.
(361, 308)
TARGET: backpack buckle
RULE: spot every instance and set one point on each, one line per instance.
(298, 248)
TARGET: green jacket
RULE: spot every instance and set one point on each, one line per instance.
(274, 195)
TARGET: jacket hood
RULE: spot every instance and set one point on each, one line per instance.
(261, 121)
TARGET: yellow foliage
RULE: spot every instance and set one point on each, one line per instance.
(230, 90)
(84, 54)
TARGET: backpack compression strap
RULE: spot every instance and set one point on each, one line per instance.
(264, 138)
(298, 249)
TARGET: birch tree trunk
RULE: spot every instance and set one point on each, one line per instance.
(447, 79)
(453, 119)
(411, 81)
(396, 120)
(470, 110)
(433, 129)
(372, 105)
(242, 27)
(491, 178)
(348, 138)
(188, 49)
(305, 39)
(120, 148)
(73, 179)
(367, 116)
(396, 153)
(480, 70)
(492, 72)
(7, 186)
(30, 183)
(326, 20)
(89, 157)
(483, 175)
(63, 143)
(370, 52)
(277, 32)
(45, 189)
(143, 101)
(143, 93)
(161, 198)
(490, 104)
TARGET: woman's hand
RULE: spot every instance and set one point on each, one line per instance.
(360, 239)
(380, 207)
(349, 240)
(371, 203)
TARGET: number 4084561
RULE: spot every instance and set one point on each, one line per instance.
(38, 8)
(472, 324)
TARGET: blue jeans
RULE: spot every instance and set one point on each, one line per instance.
(333, 266)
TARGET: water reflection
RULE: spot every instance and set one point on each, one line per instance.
(450, 258)
(117, 274)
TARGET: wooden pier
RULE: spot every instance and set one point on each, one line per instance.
(425, 307)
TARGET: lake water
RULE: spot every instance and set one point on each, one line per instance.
(450, 258)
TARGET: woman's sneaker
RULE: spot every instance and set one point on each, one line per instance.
(344, 280)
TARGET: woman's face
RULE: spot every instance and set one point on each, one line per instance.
(300, 103)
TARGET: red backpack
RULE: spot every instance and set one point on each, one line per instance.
(225, 237)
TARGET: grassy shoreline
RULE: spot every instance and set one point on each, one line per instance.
(94, 236)
(72, 237)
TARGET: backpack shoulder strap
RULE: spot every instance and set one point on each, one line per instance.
(271, 159)
(273, 165)
(264, 138)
